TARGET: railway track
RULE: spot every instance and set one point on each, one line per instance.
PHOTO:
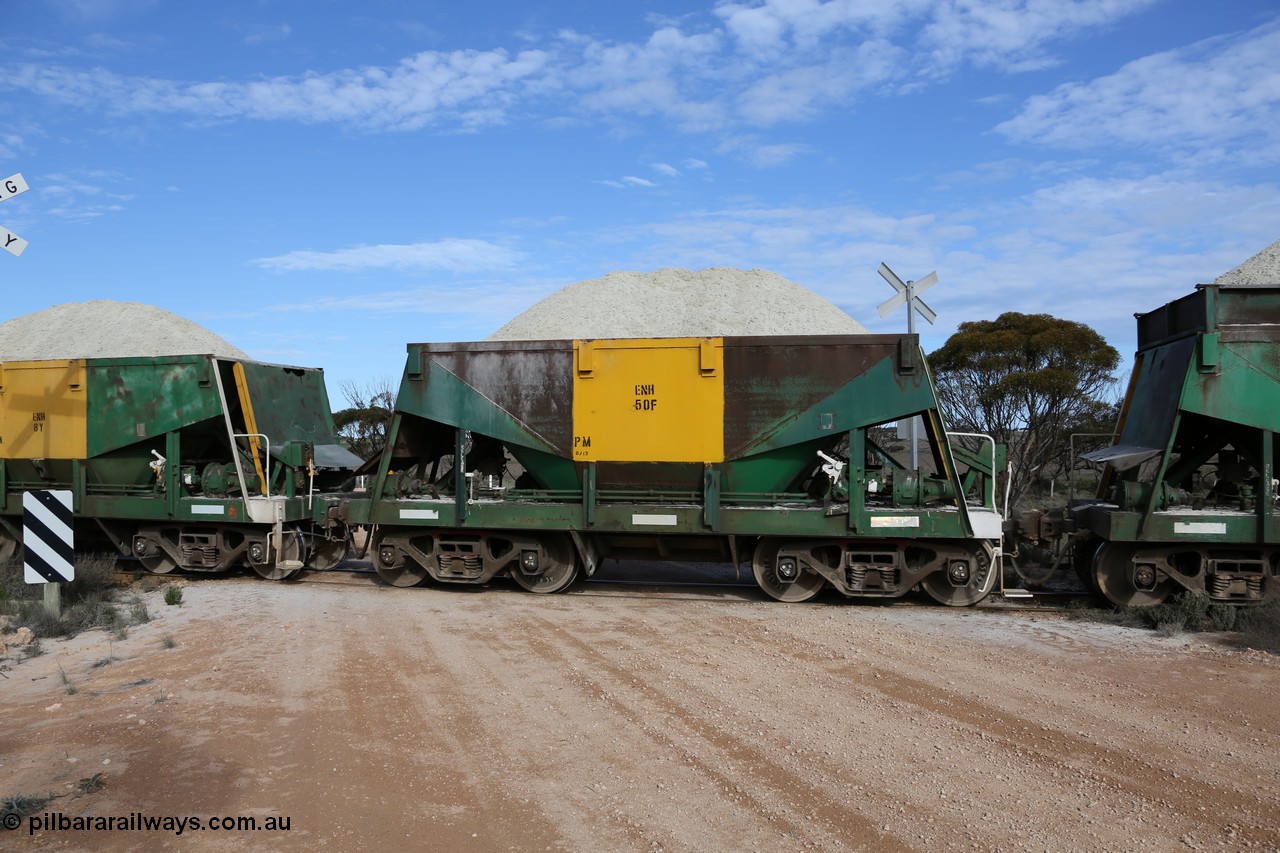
(641, 586)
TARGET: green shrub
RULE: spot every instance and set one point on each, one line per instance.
(90, 784)
(95, 575)
(1223, 617)
(173, 595)
(22, 805)
(1260, 626)
(1126, 617)
(87, 602)
(1185, 611)
(138, 613)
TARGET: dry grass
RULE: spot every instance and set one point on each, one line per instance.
(87, 602)
(1260, 626)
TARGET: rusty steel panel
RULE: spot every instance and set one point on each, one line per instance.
(1179, 317)
(1157, 393)
(1250, 306)
(532, 381)
(768, 380)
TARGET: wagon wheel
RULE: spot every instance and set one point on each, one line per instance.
(764, 565)
(284, 564)
(158, 564)
(327, 553)
(392, 566)
(956, 584)
(1114, 575)
(557, 564)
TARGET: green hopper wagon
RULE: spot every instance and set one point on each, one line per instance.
(538, 458)
(1189, 495)
(189, 461)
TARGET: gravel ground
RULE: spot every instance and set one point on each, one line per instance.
(102, 328)
(673, 303)
(623, 718)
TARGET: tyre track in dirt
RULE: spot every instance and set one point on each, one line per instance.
(797, 809)
(493, 719)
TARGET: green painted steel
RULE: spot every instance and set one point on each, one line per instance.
(1188, 498)
(480, 467)
(290, 404)
(1206, 391)
(161, 457)
(132, 400)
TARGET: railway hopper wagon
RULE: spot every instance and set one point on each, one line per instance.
(191, 461)
(540, 458)
(1188, 498)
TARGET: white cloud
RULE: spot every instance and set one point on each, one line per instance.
(99, 10)
(802, 92)
(774, 27)
(1130, 244)
(482, 305)
(628, 181)
(1221, 93)
(261, 34)
(760, 154)
(1007, 34)
(771, 156)
(452, 255)
(465, 87)
(744, 64)
(1012, 34)
(11, 144)
(82, 197)
(666, 169)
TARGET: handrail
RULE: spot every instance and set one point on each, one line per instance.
(985, 437)
(264, 485)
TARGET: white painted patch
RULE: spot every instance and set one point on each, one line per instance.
(986, 525)
(1200, 528)
(208, 509)
(654, 520)
(430, 514)
(895, 521)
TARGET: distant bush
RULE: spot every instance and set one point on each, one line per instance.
(1186, 611)
(1260, 626)
(87, 602)
(1191, 612)
(1126, 617)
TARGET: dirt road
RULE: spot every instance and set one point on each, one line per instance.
(627, 719)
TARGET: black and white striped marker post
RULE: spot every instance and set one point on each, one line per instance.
(48, 552)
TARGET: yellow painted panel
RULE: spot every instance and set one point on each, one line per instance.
(42, 409)
(649, 400)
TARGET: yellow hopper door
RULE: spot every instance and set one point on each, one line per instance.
(42, 410)
(649, 400)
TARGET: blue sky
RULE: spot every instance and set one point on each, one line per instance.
(322, 182)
